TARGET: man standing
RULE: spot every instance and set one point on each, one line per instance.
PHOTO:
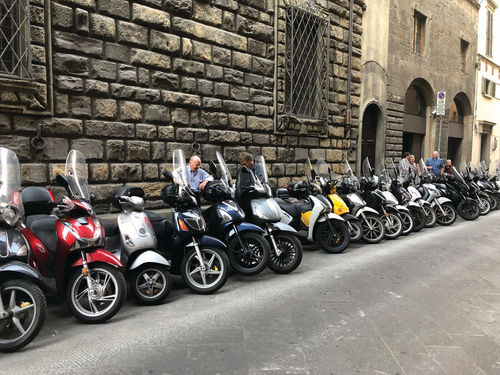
(404, 164)
(198, 178)
(435, 164)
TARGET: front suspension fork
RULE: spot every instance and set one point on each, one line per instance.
(198, 254)
(243, 245)
(273, 242)
(3, 313)
(85, 272)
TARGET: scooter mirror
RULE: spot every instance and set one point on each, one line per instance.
(168, 175)
(313, 173)
(61, 181)
(213, 168)
(92, 197)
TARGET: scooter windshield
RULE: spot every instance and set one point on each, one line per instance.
(423, 168)
(483, 168)
(226, 175)
(367, 169)
(260, 169)
(76, 175)
(464, 168)
(180, 168)
(458, 176)
(323, 169)
(10, 178)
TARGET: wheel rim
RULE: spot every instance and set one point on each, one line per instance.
(213, 273)
(484, 205)
(251, 259)
(430, 215)
(470, 210)
(102, 297)
(372, 228)
(448, 216)
(332, 240)
(355, 230)
(20, 304)
(407, 221)
(150, 283)
(392, 225)
(288, 252)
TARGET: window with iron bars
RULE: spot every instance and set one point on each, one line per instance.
(15, 51)
(306, 70)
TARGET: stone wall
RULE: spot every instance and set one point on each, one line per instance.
(133, 80)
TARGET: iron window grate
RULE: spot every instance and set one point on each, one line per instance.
(306, 69)
(15, 49)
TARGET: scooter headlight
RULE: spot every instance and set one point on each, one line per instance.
(225, 216)
(9, 216)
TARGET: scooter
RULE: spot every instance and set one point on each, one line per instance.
(349, 191)
(286, 249)
(200, 259)
(133, 241)
(248, 249)
(68, 250)
(329, 189)
(23, 306)
(413, 186)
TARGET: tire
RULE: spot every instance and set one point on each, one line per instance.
(497, 199)
(484, 206)
(115, 287)
(332, 242)
(469, 210)
(218, 265)
(151, 284)
(430, 216)
(291, 254)
(450, 214)
(254, 262)
(355, 230)
(419, 218)
(31, 319)
(373, 229)
(393, 225)
(493, 203)
(408, 222)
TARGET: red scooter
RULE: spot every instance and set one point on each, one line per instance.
(69, 248)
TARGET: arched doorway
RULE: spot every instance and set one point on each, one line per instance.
(418, 99)
(460, 109)
(372, 145)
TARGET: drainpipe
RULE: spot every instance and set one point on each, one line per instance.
(349, 66)
(275, 72)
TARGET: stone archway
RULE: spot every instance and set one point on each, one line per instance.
(458, 129)
(372, 134)
(417, 105)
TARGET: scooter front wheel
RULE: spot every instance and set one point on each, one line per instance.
(355, 230)
(393, 225)
(290, 256)
(103, 301)
(335, 242)
(419, 218)
(430, 216)
(469, 210)
(252, 260)
(373, 229)
(26, 309)
(408, 222)
(214, 276)
(447, 216)
(151, 284)
(484, 205)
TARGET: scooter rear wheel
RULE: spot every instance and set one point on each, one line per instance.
(151, 284)
(484, 206)
(110, 290)
(469, 210)
(291, 253)
(355, 230)
(27, 308)
(408, 222)
(419, 218)
(215, 275)
(255, 260)
(332, 242)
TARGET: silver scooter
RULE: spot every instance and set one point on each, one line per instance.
(133, 241)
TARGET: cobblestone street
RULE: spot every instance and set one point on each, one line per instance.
(426, 304)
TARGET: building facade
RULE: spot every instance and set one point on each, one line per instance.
(126, 82)
(412, 49)
(487, 122)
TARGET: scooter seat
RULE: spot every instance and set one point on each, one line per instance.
(160, 225)
(44, 227)
(110, 228)
(295, 209)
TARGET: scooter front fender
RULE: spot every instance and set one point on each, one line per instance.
(98, 255)
(208, 241)
(244, 226)
(17, 267)
(347, 217)
(149, 256)
(440, 200)
(366, 210)
(413, 204)
(282, 227)
(402, 208)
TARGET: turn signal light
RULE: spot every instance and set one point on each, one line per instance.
(84, 271)
(182, 225)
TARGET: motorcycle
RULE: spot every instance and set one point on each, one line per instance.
(68, 250)
(286, 249)
(23, 306)
(374, 198)
(200, 259)
(350, 192)
(329, 190)
(474, 190)
(416, 190)
(310, 213)
(133, 241)
(248, 249)
(483, 180)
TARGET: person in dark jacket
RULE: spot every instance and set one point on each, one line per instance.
(244, 180)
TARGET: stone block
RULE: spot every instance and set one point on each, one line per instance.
(164, 42)
(182, 7)
(115, 8)
(205, 87)
(20, 145)
(180, 116)
(73, 42)
(105, 109)
(150, 16)
(55, 149)
(233, 154)
(150, 172)
(254, 29)
(118, 52)
(130, 33)
(115, 149)
(68, 83)
(334, 156)
(239, 93)
(80, 106)
(127, 74)
(212, 103)
(34, 173)
(177, 98)
(309, 141)
(5, 123)
(130, 111)
(214, 72)
(213, 119)
(143, 76)
(105, 70)
(164, 80)
(278, 170)
(61, 102)
(158, 151)
(70, 64)
(149, 59)
(224, 136)
(221, 90)
(256, 47)
(62, 126)
(61, 16)
(145, 131)
(221, 56)
(102, 26)
(300, 154)
(91, 148)
(269, 153)
(290, 169)
(260, 123)
(156, 113)
(99, 172)
(207, 13)
(261, 139)
(138, 150)
(262, 66)
(187, 67)
(126, 172)
(185, 147)
(202, 51)
(228, 21)
(188, 85)
(316, 154)
(96, 88)
(242, 61)
(233, 76)
(109, 129)
(82, 20)
(166, 133)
